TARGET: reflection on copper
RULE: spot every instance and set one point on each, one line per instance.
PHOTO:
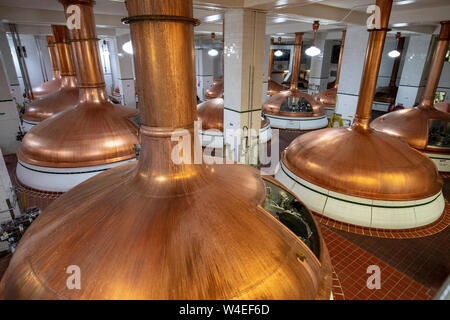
(216, 90)
(443, 106)
(67, 95)
(359, 161)
(55, 83)
(328, 97)
(94, 132)
(274, 105)
(155, 230)
(413, 125)
(211, 114)
(389, 93)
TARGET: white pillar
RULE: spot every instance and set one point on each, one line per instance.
(244, 64)
(415, 70)
(125, 76)
(8, 62)
(351, 71)
(267, 47)
(204, 65)
(320, 65)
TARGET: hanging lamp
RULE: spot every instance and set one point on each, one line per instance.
(84, 140)
(292, 109)
(424, 127)
(359, 176)
(67, 95)
(156, 230)
(55, 83)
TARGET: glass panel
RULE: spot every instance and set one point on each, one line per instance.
(439, 135)
(285, 207)
(297, 105)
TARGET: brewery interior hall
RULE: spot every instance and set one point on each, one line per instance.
(225, 149)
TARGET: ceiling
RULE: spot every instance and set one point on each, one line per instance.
(283, 16)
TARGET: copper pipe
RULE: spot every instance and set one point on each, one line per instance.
(297, 60)
(341, 54)
(53, 55)
(372, 67)
(269, 74)
(64, 50)
(396, 67)
(436, 66)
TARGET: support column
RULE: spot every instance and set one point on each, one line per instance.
(352, 69)
(9, 116)
(415, 70)
(8, 62)
(267, 61)
(204, 65)
(244, 64)
(320, 65)
(125, 77)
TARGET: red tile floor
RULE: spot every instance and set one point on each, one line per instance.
(411, 268)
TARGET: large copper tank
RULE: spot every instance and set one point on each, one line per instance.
(216, 90)
(388, 94)
(92, 133)
(443, 106)
(360, 162)
(156, 230)
(55, 83)
(285, 102)
(328, 97)
(67, 95)
(414, 125)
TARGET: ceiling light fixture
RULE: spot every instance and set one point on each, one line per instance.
(395, 53)
(313, 50)
(278, 53)
(128, 47)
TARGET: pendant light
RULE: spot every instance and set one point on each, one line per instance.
(86, 139)
(292, 109)
(313, 50)
(424, 127)
(359, 176)
(273, 87)
(156, 230)
(216, 90)
(54, 84)
(67, 95)
(389, 93)
(328, 97)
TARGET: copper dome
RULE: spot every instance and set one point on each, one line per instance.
(156, 230)
(67, 95)
(274, 87)
(413, 125)
(216, 90)
(443, 106)
(55, 83)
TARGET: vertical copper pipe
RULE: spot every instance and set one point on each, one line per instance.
(223, 49)
(162, 35)
(372, 66)
(297, 60)
(269, 74)
(436, 66)
(396, 67)
(53, 55)
(64, 50)
(85, 46)
(341, 54)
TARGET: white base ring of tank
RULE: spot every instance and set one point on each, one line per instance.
(300, 123)
(442, 161)
(214, 138)
(362, 211)
(28, 125)
(58, 179)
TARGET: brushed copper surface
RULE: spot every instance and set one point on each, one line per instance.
(443, 106)
(359, 161)
(216, 90)
(389, 94)
(328, 97)
(274, 104)
(55, 83)
(156, 230)
(412, 125)
(211, 114)
(95, 131)
(66, 96)
(274, 87)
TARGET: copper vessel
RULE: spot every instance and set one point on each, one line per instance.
(389, 94)
(443, 106)
(93, 132)
(414, 125)
(156, 230)
(287, 102)
(328, 97)
(54, 84)
(216, 90)
(211, 114)
(358, 161)
(273, 87)
(64, 98)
